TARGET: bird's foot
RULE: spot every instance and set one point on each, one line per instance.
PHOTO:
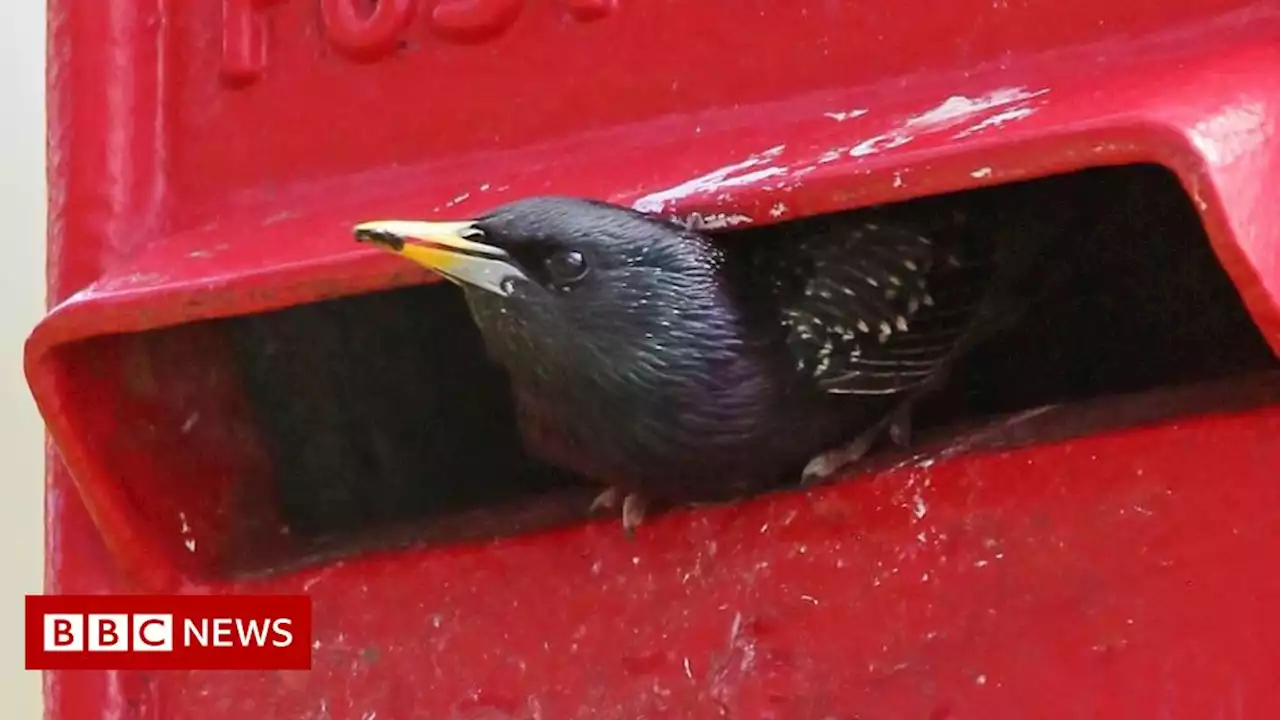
(822, 467)
(897, 424)
(900, 425)
(607, 500)
(633, 507)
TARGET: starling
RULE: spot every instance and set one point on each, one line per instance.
(672, 365)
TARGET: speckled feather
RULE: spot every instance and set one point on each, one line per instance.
(872, 308)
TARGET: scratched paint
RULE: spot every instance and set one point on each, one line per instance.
(1010, 102)
(717, 221)
(959, 107)
(744, 172)
(846, 115)
(949, 113)
(996, 120)
(992, 109)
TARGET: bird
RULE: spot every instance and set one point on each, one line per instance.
(668, 363)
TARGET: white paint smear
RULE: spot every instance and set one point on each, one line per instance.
(716, 221)
(957, 107)
(997, 120)
(948, 113)
(847, 115)
(725, 177)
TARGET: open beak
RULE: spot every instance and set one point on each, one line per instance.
(452, 249)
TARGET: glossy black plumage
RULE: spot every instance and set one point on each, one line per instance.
(673, 365)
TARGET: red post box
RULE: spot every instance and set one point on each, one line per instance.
(208, 159)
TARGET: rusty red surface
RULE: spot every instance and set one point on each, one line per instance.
(207, 159)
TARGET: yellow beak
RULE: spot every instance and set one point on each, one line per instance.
(452, 249)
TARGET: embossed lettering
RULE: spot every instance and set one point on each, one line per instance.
(244, 40)
(474, 20)
(369, 35)
(366, 30)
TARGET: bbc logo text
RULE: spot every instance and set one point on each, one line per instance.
(144, 632)
(175, 631)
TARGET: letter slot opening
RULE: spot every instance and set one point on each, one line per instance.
(259, 443)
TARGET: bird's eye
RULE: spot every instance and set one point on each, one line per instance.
(566, 267)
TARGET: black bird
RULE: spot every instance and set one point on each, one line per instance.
(668, 365)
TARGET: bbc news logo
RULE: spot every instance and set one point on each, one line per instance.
(144, 632)
(158, 632)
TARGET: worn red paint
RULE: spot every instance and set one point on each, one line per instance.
(1120, 572)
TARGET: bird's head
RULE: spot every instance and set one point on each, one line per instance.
(553, 276)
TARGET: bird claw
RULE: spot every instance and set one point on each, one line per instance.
(898, 426)
(607, 500)
(827, 464)
(633, 507)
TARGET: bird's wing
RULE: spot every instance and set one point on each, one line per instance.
(874, 308)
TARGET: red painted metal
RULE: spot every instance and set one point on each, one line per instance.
(207, 159)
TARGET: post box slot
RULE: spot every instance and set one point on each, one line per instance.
(262, 442)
